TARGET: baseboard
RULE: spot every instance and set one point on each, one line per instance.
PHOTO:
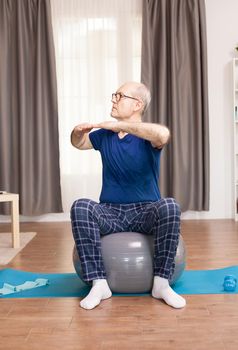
(52, 217)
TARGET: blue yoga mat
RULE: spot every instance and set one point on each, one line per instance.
(70, 285)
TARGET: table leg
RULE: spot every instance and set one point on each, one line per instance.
(15, 223)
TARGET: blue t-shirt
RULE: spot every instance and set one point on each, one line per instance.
(130, 167)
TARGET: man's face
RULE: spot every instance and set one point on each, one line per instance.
(123, 102)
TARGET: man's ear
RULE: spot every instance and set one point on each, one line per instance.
(139, 105)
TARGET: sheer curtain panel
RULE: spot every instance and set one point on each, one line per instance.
(98, 47)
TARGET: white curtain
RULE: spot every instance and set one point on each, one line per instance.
(98, 48)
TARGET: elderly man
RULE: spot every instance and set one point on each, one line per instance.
(130, 198)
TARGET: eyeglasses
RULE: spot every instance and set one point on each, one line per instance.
(119, 95)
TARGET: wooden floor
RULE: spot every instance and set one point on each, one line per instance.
(207, 322)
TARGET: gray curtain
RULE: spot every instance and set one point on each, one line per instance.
(29, 150)
(174, 67)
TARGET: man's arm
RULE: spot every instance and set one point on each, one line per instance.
(157, 134)
(80, 138)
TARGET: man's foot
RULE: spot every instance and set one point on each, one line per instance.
(162, 290)
(99, 291)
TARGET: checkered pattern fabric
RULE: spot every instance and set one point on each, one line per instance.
(90, 220)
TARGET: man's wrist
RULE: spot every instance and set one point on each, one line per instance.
(123, 126)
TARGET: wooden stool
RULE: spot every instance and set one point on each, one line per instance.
(14, 199)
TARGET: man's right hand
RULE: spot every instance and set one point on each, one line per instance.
(82, 128)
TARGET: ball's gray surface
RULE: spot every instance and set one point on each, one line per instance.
(128, 261)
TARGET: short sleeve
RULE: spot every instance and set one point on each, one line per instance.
(155, 152)
(96, 138)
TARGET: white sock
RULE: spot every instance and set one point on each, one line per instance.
(162, 290)
(99, 291)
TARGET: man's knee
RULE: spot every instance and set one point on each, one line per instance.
(168, 207)
(80, 207)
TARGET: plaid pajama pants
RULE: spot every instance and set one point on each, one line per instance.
(90, 220)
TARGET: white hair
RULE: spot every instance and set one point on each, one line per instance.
(142, 91)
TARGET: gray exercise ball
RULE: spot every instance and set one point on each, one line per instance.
(128, 261)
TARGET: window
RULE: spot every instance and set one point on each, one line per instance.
(98, 47)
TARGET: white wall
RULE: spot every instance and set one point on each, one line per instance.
(222, 37)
